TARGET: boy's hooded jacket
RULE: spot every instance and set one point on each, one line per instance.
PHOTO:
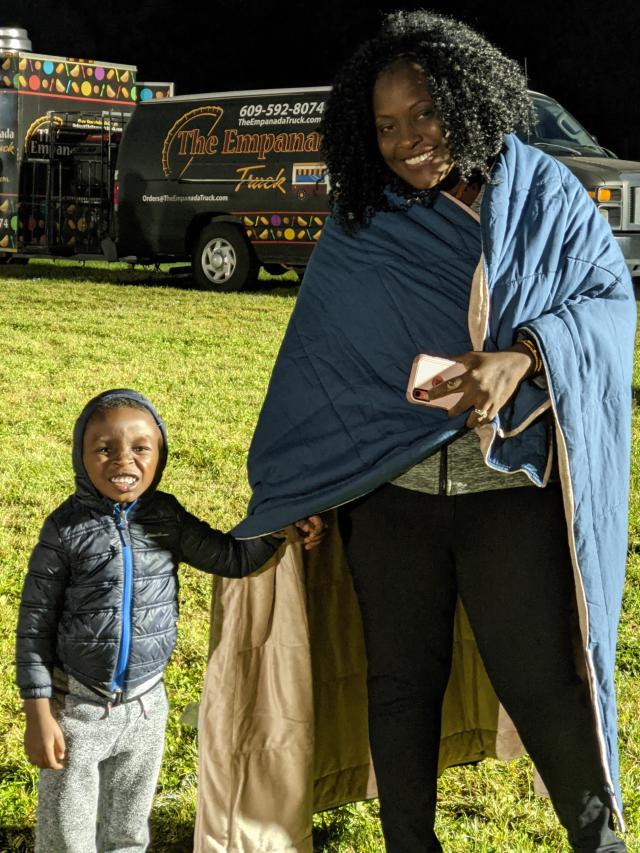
(336, 424)
(81, 601)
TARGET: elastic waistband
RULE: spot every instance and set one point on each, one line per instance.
(66, 684)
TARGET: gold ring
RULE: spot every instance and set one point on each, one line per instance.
(481, 414)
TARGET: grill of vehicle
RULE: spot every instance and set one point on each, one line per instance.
(634, 213)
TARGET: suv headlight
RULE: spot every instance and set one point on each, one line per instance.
(608, 200)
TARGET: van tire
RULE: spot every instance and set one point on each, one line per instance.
(222, 258)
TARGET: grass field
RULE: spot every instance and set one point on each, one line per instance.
(205, 360)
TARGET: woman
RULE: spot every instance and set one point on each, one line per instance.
(450, 237)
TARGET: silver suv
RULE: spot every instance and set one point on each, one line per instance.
(613, 184)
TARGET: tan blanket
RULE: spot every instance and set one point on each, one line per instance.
(283, 725)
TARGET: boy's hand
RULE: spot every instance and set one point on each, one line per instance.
(311, 529)
(43, 738)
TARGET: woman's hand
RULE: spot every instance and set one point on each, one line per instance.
(43, 738)
(311, 529)
(489, 381)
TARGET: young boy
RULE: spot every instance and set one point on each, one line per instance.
(97, 626)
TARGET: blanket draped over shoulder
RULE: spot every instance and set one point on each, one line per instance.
(283, 722)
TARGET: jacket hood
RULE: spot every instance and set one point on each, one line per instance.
(85, 490)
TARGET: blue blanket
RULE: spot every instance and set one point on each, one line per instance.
(335, 423)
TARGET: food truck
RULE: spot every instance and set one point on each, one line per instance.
(61, 122)
(228, 180)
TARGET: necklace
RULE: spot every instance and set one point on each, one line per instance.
(427, 197)
(452, 183)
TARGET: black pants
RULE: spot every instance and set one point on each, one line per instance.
(505, 553)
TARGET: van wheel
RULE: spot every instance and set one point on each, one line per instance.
(222, 259)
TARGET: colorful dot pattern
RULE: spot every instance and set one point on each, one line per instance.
(283, 227)
(69, 77)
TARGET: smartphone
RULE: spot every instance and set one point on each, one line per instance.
(427, 371)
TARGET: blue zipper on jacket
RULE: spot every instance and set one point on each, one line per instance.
(120, 516)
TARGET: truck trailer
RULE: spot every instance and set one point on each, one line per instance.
(61, 122)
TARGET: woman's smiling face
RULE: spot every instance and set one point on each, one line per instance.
(410, 137)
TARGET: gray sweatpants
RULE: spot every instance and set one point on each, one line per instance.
(101, 801)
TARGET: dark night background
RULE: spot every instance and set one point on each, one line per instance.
(583, 54)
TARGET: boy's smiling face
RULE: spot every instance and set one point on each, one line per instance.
(121, 451)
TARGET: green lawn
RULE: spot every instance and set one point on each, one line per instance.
(205, 360)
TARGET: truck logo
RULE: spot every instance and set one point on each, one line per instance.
(263, 144)
(40, 124)
(253, 181)
(192, 136)
(42, 149)
(307, 177)
(7, 144)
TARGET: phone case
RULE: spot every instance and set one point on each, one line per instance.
(427, 371)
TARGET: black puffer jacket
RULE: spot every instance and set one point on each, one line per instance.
(74, 595)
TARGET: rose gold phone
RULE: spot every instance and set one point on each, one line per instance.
(428, 371)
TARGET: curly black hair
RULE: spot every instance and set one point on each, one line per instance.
(479, 95)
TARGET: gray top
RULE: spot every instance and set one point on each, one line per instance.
(462, 469)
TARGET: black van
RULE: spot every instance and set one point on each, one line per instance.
(229, 180)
